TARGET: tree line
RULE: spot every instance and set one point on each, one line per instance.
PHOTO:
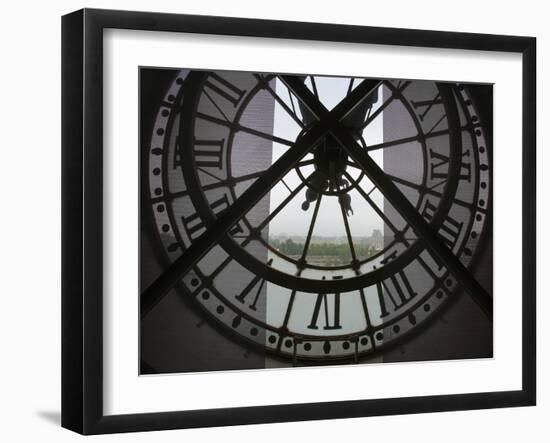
(339, 251)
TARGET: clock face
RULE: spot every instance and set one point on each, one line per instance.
(328, 261)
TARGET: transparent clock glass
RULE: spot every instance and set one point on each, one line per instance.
(291, 220)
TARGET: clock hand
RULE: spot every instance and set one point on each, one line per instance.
(397, 199)
(345, 208)
(316, 181)
(217, 227)
(327, 151)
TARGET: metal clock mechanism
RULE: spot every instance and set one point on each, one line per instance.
(236, 156)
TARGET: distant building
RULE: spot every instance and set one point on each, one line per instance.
(377, 239)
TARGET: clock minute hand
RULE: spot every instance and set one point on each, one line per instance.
(398, 200)
(219, 227)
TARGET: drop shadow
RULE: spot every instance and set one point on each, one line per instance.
(53, 417)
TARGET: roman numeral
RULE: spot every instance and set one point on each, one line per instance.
(195, 225)
(396, 290)
(323, 302)
(207, 153)
(224, 89)
(440, 166)
(425, 106)
(247, 291)
(450, 229)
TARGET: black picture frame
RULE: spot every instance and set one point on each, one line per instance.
(82, 237)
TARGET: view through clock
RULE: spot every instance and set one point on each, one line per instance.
(298, 220)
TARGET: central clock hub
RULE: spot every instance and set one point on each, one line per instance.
(330, 159)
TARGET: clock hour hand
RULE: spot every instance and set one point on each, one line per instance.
(330, 159)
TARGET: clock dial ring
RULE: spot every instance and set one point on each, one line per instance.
(435, 298)
(336, 337)
(203, 207)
